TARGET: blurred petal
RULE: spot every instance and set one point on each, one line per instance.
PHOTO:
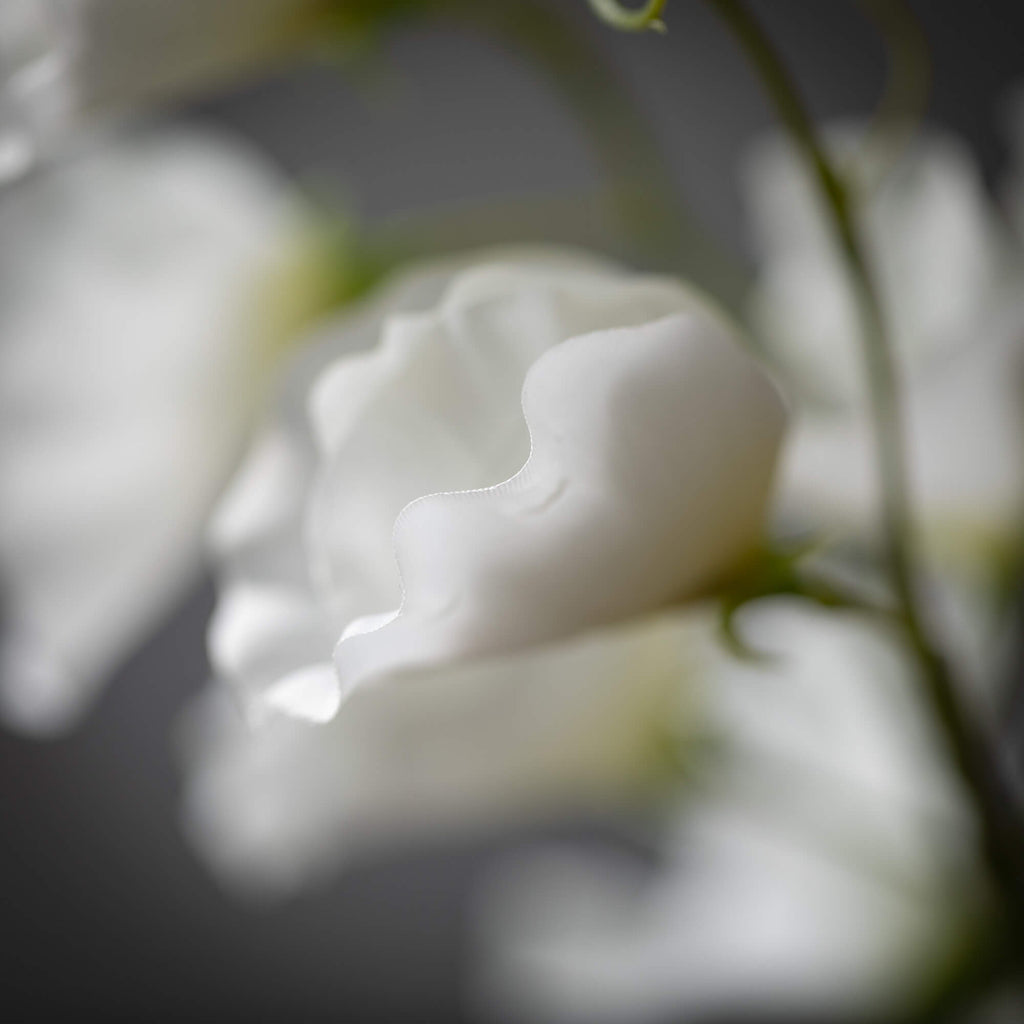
(965, 437)
(280, 805)
(38, 44)
(951, 288)
(131, 360)
(823, 864)
(931, 234)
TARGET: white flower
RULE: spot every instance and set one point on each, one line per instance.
(951, 290)
(635, 441)
(935, 245)
(131, 358)
(821, 865)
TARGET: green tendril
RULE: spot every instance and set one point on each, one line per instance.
(629, 19)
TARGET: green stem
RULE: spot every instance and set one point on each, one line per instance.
(971, 746)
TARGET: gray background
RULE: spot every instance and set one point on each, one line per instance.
(104, 913)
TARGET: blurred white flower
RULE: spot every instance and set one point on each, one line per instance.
(933, 238)
(951, 288)
(822, 865)
(133, 347)
(636, 442)
(67, 64)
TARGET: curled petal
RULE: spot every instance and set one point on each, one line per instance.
(652, 451)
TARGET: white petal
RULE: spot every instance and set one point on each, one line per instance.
(651, 463)
(311, 693)
(436, 407)
(821, 868)
(965, 442)
(129, 369)
(933, 240)
(38, 42)
(481, 747)
(259, 631)
(273, 619)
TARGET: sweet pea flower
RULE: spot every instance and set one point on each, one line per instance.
(949, 278)
(136, 337)
(822, 866)
(950, 286)
(457, 549)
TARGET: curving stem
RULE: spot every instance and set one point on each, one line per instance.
(971, 743)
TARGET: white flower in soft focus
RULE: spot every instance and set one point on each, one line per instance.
(435, 531)
(951, 287)
(822, 866)
(134, 344)
(932, 237)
